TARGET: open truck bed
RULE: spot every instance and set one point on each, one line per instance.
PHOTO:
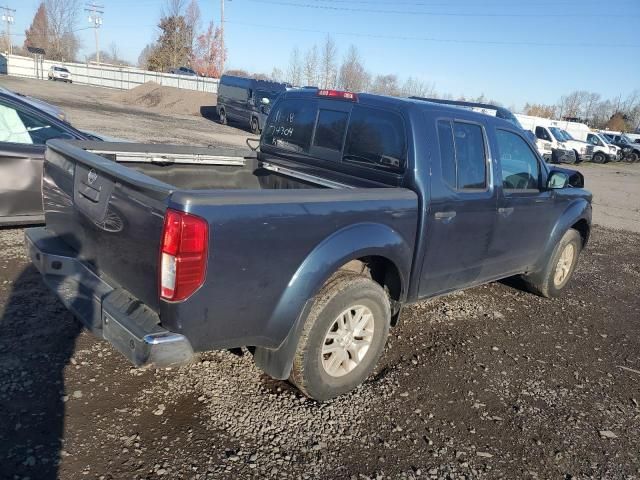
(106, 208)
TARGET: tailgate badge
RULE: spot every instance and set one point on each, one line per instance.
(92, 176)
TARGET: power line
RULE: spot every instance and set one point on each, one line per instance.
(440, 40)
(440, 14)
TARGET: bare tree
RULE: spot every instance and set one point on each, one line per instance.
(311, 66)
(413, 87)
(173, 8)
(328, 68)
(539, 110)
(386, 85)
(61, 18)
(353, 76)
(294, 74)
(277, 75)
(143, 58)
(192, 19)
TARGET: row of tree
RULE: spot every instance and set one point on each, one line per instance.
(181, 43)
(319, 66)
(620, 114)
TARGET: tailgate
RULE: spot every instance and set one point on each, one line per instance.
(110, 215)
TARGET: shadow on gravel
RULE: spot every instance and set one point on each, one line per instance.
(37, 340)
(210, 113)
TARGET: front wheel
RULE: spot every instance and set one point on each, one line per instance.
(343, 336)
(223, 117)
(632, 157)
(599, 157)
(559, 268)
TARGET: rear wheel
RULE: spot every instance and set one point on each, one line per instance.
(554, 277)
(343, 336)
(599, 157)
(222, 116)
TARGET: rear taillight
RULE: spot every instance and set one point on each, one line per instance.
(183, 255)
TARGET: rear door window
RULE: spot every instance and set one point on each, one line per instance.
(462, 155)
(376, 138)
(290, 127)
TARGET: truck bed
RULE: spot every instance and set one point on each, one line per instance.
(107, 203)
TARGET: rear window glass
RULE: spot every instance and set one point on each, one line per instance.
(376, 137)
(330, 129)
(290, 127)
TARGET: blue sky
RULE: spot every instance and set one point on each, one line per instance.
(541, 49)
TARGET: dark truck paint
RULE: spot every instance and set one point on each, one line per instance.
(282, 223)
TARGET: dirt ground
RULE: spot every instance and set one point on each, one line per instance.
(112, 112)
(493, 382)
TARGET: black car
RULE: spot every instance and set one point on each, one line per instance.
(247, 100)
(183, 71)
(25, 126)
(630, 149)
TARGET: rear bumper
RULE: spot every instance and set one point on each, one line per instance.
(106, 310)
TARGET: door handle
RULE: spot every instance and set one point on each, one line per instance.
(445, 215)
(505, 211)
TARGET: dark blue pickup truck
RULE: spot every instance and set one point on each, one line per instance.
(305, 252)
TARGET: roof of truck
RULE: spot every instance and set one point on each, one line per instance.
(372, 99)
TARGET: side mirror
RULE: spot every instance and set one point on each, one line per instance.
(264, 101)
(557, 180)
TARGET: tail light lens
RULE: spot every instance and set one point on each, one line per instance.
(183, 255)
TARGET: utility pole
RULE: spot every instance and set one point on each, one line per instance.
(95, 18)
(8, 17)
(222, 36)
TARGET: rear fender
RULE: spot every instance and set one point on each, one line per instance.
(353, 242)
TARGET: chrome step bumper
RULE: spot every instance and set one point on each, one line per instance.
(106, 310)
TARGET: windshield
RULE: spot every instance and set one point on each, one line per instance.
(567, 135)
(603, 139)
(62, 69)
(266, 94)
(558, 134)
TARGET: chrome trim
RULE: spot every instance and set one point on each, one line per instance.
(177, 158)
(305, 176)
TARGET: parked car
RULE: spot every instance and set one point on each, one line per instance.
(305, 252)
(247, 100)
(604, 151)
(550, 135)
(26, 124)
(59, 73)
(183, 71)
(630, 149)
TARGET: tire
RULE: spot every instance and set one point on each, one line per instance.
(546, 282)
(346, 295)
(599, 157)
(577, 157)
(631, 157)
(222, 116)
(255, 126)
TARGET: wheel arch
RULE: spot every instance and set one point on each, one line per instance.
(375, 250)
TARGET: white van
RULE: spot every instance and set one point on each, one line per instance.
(603, 150)
(550, 134)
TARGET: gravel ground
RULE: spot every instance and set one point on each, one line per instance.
(489, 383)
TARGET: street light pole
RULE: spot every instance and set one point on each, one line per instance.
(221, 37)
